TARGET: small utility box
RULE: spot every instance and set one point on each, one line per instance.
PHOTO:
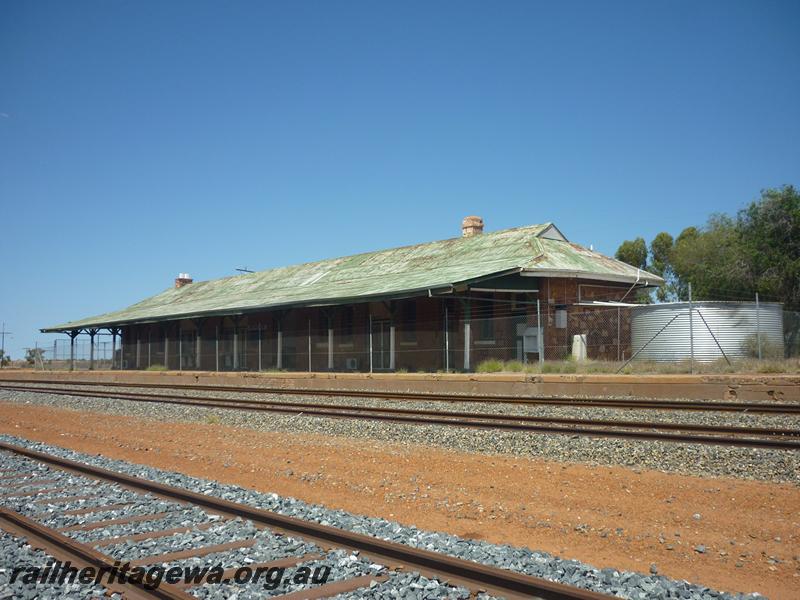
(530, 340)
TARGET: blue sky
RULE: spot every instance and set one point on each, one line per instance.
(140, 139)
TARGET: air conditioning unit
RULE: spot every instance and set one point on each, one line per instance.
(351, 364)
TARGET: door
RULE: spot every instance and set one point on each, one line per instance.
(380, 345)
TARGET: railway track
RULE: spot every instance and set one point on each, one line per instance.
(690, 405)
(24, 469)
(757, 437)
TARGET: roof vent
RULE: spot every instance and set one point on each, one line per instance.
(182, 279)
(471, 225)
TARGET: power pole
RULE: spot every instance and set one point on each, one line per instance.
(3, 333)
(38, 356)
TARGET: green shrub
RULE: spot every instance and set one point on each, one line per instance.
(156, 368)
(490, 366)
(560, 366)
(720, 366)
(771, 366)
(768, 348)
(567, 366)
(595, 366)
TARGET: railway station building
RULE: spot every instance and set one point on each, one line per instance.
(448, 305)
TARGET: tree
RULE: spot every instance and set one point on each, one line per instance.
(758, 250)
(660, 250)
(34, 356)
(770, 244)
(661, 264)
(5, 359)
(633, 252)
(710, 258)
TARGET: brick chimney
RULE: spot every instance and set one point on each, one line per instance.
(182, 279)
(471, 226)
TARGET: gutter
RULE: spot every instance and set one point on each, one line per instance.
(594, 276)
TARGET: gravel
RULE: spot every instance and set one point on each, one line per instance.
(490, 407)
(146, 506)
(342, 565)
(269, 546)
(38, 471)
(16, 553)
(220, 533)
(622, 583)
(188, 518)
(413, 586)
(690, 459)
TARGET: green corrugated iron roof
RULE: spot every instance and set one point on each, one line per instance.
(409, 270)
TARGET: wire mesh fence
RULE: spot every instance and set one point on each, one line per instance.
(61, 353)
(706, 332)
(485, 337)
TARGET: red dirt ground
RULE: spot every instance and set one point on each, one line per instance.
(608, 517)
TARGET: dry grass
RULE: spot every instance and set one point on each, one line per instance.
(788, 366)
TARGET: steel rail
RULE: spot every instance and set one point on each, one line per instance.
(81, 555)
(424, 412)
(473, 575)
(711, 405)
(585, 427)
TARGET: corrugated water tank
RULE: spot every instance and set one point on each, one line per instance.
(733, 324)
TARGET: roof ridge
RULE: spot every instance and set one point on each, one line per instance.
(388, 272)
(542, 226)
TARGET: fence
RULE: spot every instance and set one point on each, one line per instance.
(717, 331)
(612, 335)
(57, 356)
(492, 337)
